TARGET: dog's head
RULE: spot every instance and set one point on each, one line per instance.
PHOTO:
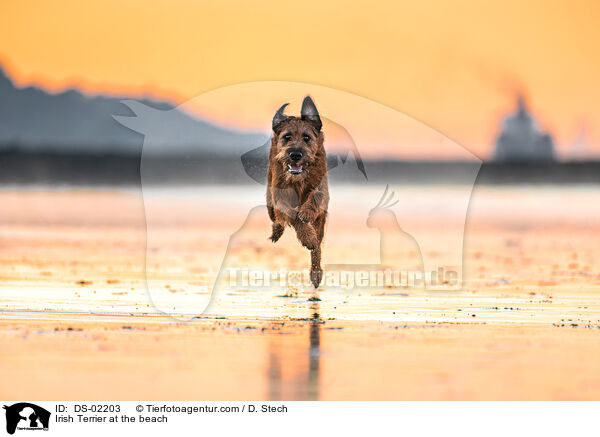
(297, 141)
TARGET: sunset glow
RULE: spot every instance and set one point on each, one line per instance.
(455, 66)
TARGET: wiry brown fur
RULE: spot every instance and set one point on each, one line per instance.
(299, 201)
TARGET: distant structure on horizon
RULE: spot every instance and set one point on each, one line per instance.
(521, 140)
(580, 150)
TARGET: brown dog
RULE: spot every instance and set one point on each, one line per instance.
(297, 190)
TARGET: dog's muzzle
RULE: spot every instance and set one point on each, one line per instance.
(295, 156)
(295, 169)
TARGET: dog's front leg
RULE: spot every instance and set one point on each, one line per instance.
(282, 214)
(312, 206)
(281, 210)
(306, 235)
(285, 202)
(287, 212)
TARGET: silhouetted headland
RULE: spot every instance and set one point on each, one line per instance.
(18, 167)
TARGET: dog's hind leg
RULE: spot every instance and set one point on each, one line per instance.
(316, 272)
(278, 227)
(270, 208)
(277, 232)
(320, 226)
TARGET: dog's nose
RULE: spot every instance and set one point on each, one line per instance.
(295, 156)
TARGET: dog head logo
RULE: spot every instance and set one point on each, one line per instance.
(26, 416)
(204, 172)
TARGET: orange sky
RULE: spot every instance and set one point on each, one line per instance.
(452, 65)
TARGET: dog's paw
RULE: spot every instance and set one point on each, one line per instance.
(306, 215)
(310, 242)
(315, 277)
(276, 233)
(302, 218)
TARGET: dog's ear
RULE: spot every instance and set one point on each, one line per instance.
(309, 113)
(279, 118)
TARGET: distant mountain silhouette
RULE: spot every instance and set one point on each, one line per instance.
(35, 120)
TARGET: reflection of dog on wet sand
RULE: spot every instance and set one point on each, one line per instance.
(297, 190)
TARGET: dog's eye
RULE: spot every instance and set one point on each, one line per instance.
(287, 137)
(306, 138)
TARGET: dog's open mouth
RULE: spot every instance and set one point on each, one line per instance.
(295, 169)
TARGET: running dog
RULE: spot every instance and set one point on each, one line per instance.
(297, 189)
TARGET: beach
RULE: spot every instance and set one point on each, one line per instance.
(104, 292)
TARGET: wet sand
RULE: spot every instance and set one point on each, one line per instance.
(76, 321)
